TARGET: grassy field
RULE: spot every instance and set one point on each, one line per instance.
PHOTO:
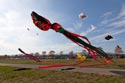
(11, 75)
(116, 64)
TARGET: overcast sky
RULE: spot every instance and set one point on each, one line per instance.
(104, 17)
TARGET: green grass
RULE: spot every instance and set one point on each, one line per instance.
(116, 64)
(8, 75)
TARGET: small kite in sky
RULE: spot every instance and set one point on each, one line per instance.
(82, 16)
(108, 37)
(28, 29)
(37, 33)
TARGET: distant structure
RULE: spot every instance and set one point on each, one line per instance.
(118, 50)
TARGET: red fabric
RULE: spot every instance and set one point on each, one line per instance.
(42, 25)
(56, 26)
(60, 65)
(30, 55)
(51, 66)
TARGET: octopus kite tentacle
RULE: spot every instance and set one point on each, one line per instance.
(75, 38)
(30, 55)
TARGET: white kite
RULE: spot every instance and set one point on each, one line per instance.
(82, 15)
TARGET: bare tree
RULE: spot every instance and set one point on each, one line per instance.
(37, 54)
(43, 52)
(71, 53)
(61, 52)
(118, 50)
(51, 53)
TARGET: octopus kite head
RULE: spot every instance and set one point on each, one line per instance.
(34, 14)
(41, 22)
